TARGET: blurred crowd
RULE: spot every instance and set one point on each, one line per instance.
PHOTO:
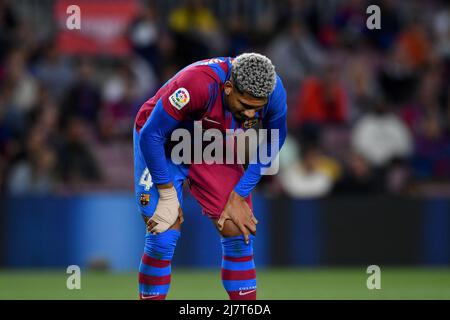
(368, 110)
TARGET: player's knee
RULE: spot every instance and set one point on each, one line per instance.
(236, 246)
(162, 245)
(230, 229)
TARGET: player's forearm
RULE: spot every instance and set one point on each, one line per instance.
(154, 155)
(248, 181)
(254, 171)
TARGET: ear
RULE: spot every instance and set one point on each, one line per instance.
(228, 87)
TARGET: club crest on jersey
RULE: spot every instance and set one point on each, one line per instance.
(250, 123)
(179, 98)
(144, 199)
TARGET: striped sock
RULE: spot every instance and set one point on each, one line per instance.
(155, 266)
(238, 268)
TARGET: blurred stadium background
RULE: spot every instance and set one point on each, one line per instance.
(365, 172)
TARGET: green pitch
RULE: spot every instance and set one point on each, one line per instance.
(327, 283)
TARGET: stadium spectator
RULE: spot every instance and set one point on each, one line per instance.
(358, 178)
(380, 136)
(23, 85)
(144, 33)
(441, 28)
(350, 20)
(360, 82)
(432, 155)
(77, 167)
(321, 100)
(397, 77)
(34, 172)
(9, 23)
(34, 176)
(54, 71)
(311, 177)
(122, 95)
(83, 98)
(414, 42)
(296, 56)
(196, 31)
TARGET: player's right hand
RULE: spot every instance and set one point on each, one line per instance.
(166, 213)
(238, 211)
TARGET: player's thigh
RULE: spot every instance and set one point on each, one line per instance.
(211, 185)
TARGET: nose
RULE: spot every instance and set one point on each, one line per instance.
(250, 113)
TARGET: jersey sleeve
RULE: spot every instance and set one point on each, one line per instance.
(187, 95)
(277, 107)
(152, 138)
(275, 119)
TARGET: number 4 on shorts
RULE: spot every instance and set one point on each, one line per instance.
(146, 180)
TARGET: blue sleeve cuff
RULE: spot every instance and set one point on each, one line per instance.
(248, 181)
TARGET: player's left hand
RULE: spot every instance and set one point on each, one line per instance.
(238, 211)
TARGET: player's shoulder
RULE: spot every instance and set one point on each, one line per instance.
(218, 68)
(192, 82)
(191, 89)
(204, 75)
(193, 76)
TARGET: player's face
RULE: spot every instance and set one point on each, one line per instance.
(243, 106)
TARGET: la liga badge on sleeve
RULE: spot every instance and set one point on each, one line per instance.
(179, 98)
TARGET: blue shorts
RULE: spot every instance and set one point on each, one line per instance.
(145, 192)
